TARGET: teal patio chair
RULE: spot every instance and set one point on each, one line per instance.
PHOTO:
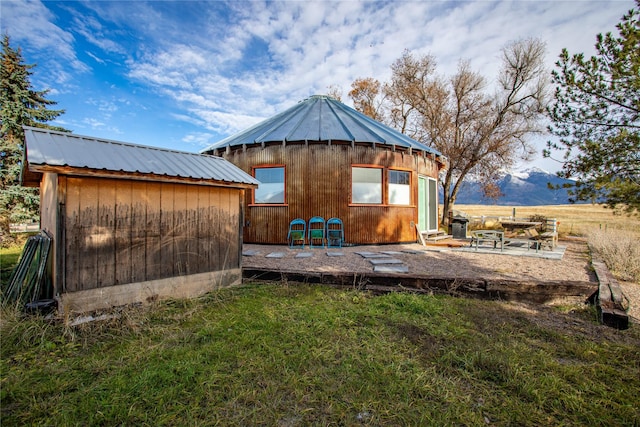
(316, 232)
(297, 232)
(335, 233)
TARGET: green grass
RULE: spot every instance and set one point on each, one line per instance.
(310, 355)
(8, 259)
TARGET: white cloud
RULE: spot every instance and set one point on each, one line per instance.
(93, 31)
(31, 23)
(94, 123)
(198, 139)
(95, 58)
(225, 122)
(309, 46)
(103, 105)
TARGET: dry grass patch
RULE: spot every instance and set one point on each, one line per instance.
(574, 219)
(619, 249)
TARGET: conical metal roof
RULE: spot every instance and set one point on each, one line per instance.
(321, 119)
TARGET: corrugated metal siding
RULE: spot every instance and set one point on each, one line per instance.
(59, 149)
(318, 183)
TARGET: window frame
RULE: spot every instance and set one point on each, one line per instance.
(382, 185)
(409, 172)
(385, 182)
(284, 185)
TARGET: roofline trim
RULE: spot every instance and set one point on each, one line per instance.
(135, 176)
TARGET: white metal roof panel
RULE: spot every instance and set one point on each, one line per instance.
(59, 149)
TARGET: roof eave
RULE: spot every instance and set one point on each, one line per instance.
(38, 170)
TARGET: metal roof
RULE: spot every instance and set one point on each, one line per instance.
(51, 149)
(322, 119)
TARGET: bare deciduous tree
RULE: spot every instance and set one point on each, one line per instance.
(479, 132)
(334, 92)
(365, 93)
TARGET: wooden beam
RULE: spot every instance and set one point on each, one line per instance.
(420, 236)
(611, 303)
(531, 291)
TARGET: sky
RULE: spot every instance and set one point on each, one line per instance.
(185, 74)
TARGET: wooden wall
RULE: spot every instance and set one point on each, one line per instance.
(122, 231)
(318, 182)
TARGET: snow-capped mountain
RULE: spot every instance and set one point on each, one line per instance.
(527, 187)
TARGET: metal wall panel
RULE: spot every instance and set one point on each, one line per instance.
(318, 183)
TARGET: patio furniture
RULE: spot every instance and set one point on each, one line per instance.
(297, 232)
(540, 240)
(514, 228)
(335, 233)
(316, 232)
(491, 236)
(522, 225)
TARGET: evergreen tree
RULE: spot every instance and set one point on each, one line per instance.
(20, 105)
(596, 115)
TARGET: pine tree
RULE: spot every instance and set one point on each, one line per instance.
(596, 115)
(20, 105)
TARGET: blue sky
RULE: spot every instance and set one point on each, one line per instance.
(185, 74)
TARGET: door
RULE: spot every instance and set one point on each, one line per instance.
(427, 204)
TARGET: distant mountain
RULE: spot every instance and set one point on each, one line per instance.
(522, 188)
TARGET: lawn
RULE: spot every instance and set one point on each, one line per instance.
(290, 355)
(8, 259)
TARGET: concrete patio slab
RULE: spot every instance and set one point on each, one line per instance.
(516, 250)
(250, 253)
(275, 255)
(304, 255)
(380, 261)
(391, 269)
(373, 255)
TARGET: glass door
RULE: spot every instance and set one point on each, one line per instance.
(427, 204)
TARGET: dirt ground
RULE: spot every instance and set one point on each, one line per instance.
(442, 262)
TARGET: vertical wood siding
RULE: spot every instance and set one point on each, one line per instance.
(121, 231)
(318, 183)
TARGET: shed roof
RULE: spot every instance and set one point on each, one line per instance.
(48, 150)
(322, 119)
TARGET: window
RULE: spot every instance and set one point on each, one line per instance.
(399, 187)
(366, 185)
(271, 188)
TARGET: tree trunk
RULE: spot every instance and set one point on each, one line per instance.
(446, 199)
(449, 198)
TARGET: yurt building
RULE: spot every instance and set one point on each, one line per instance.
(323, 158)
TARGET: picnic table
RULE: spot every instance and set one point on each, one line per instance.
(492, 236)
(514, 226)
